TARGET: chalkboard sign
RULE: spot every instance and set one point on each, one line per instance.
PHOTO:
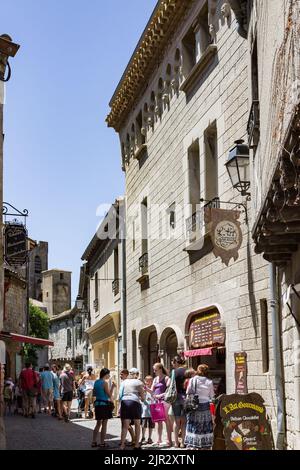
(206, 331)
(244, 422)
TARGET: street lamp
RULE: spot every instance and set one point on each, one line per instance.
(7, 49)
(238, 167)
(79, 303)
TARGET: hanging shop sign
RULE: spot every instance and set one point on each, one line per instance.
(225, 232)
(244, 421)
(15, 239)
(206, 331)
(240, 360)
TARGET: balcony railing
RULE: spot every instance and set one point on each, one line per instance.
(194, 222)
(253, 125)
(96, 305)
(116, 286)
(143, 263)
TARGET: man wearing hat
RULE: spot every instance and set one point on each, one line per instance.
(67, 385)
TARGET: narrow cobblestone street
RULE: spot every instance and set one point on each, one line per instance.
(47, 433)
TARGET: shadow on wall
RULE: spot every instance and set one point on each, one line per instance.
(252, 297)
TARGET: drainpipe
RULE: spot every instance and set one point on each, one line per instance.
(122, 220)
(278, 362)
(296, 361)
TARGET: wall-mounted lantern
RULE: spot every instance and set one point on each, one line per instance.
(238, 167)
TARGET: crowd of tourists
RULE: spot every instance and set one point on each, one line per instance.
(181, 402)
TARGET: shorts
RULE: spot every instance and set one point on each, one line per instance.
(67, 396)
(147, 423)
(48, 394)
(88, 394)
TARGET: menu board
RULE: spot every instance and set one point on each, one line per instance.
(240, 360)
(206, 331)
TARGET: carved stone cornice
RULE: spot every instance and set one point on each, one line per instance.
(164, 21)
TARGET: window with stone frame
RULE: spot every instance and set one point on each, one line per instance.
(211, 162)
(194, 175)
(69, 338)
(196, 41)
(37, 265)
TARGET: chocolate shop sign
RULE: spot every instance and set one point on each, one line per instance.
(225, 232)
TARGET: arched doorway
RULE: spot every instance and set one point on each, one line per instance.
(206, 344)
(171, 341)
(148, 346)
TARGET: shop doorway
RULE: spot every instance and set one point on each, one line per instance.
(206, 345)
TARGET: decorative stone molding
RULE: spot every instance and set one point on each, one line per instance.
(226, 10)
(165, 19)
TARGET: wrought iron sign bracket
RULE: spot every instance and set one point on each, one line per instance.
(9, 210)
(237, 205)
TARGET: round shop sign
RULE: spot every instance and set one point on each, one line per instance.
(227, 235)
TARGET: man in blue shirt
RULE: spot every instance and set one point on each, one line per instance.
(47, 379)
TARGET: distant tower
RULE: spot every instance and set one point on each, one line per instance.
(38, 262)
(57, 291)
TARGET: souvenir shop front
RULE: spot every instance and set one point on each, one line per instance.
(206, 345)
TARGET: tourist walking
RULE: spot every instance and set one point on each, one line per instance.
(29, 385)
(103, 407)
(199, 430)
(56, 392)
(8, 394)
(88, 381)
(47, 388)
(123, 376)
(178, 406)
(67, 389)
(131, 396)
(159, 387)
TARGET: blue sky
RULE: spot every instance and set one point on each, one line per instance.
(61, 161)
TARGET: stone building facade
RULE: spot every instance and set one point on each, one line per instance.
(274, 65)
(15, 319)
(103, 258)
(67, 333)
(181, 104)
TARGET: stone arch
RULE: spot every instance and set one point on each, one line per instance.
(148, 343)
(170, 344)
(200, 310)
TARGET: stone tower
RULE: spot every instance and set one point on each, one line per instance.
(38, 262)
(56, 291)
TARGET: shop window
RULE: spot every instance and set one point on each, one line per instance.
(211, 163)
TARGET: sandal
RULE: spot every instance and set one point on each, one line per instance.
(94, 444)
(104, 446)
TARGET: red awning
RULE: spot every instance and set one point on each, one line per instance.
(199, 352)
(26, 339)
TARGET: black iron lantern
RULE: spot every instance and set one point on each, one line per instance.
(238, 167)
(79, 303)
